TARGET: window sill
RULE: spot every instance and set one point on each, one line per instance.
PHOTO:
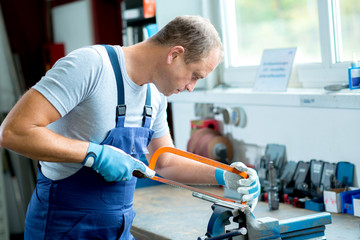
(295, 97)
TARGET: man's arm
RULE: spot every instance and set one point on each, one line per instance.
(24, 131)
(178, 168)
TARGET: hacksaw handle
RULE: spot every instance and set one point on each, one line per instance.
(195, 157)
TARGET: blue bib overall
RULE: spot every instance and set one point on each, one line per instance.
(84, 205)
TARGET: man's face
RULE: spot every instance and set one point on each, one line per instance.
(179, 76)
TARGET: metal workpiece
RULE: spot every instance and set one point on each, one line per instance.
(233, 205)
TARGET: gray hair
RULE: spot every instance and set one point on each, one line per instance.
(196, 34)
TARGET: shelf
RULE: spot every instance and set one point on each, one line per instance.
(136, 17)
(140, 21)
(347, 99)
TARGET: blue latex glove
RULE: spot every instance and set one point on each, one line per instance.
(113, 163)
(249, 188)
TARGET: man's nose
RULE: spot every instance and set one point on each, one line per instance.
(190, 87)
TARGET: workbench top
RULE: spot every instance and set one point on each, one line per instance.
(165, 212)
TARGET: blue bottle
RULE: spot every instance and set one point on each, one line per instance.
(354, 74)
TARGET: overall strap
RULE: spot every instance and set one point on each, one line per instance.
(121, 107)
(147, 108)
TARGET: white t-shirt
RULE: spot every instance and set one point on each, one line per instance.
(82, 87)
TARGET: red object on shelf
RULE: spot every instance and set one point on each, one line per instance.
(149, 7)
(206, 123)
(266, 197)
(286, 199)
(296, 202)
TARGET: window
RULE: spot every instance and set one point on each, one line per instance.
(324, 31)
(275, 24)
(347, 33)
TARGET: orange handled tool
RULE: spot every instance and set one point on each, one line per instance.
(195, 157)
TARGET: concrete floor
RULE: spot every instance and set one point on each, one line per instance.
(165, 212)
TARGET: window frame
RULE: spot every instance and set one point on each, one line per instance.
(305, 75)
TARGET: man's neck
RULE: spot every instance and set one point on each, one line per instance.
(141, 62)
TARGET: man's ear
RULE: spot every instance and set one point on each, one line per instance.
(174, 53)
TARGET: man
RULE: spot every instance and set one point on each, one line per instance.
(94, 113)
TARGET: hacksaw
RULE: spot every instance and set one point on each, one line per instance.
(197, 158)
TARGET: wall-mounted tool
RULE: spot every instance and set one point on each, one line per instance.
(238, 117)
(226, 114)
(204, 110)
(212, 144)
(231, 115)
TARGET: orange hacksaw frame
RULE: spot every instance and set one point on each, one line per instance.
(195, 157)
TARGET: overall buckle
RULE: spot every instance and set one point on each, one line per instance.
(147, 111)
(120, 110)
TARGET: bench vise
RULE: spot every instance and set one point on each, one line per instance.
(236, 222)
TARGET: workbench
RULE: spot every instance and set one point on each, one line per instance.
(165, 212)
